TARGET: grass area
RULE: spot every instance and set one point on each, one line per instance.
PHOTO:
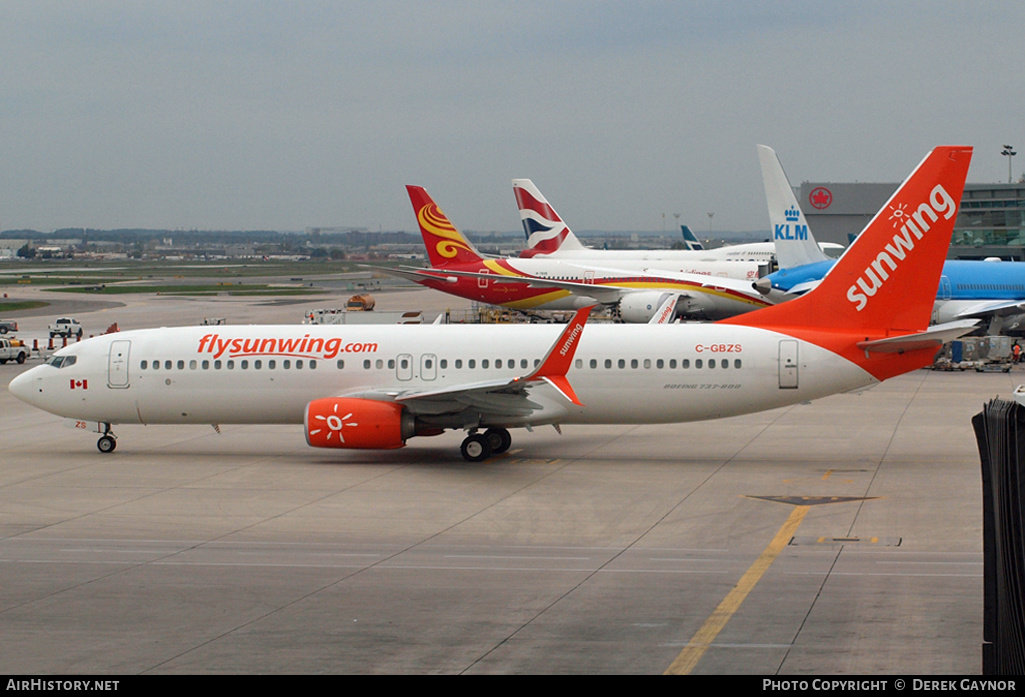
(12, 305)
(192, 289)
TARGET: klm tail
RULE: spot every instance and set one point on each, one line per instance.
(795, 245)
(545, 231)
(879, 296)
(445, 244)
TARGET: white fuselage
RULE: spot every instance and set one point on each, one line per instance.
(268, 374)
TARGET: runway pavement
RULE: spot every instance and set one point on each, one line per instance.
(839, 537)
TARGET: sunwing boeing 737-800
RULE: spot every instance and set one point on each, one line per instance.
(376, 386)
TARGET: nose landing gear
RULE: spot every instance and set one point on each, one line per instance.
(108, 441)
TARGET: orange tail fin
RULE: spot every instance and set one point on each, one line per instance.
(445, 244)
(886, 281)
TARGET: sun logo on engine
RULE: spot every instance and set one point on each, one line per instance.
(334, 424)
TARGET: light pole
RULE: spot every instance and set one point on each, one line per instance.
(1009, 154)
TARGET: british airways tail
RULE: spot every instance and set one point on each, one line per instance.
(795, 245)
(545, 230)
(445, 244)
(875, 304)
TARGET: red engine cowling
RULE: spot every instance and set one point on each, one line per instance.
(357, 423)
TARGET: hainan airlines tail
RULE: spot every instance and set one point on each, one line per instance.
(545, 230)
(878, 298)
(445, 244)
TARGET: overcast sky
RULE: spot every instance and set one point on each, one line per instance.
(282, 115)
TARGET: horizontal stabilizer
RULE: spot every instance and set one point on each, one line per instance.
(993, 309)
(933, 337)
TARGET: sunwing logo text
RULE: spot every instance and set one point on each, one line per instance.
(913, 227)
(301, 347)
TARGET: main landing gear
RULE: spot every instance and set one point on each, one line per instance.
(480, 446)
(108, 441)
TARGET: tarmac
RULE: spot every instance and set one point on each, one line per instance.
(842, 537)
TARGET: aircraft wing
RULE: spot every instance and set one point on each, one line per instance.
(933, 337)
(982, 310)
(604, 293)
(499, 398)
(414, 274)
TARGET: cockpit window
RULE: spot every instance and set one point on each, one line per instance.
(62, 361)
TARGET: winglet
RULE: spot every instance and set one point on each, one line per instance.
(445, 244)
(666, 311)
(545, 230)
(556, 363)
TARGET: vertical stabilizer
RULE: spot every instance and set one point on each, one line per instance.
(545, 230)
(445, 244)
(795, 245)
(885, 282)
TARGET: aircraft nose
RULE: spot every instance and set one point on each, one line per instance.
(23, 386)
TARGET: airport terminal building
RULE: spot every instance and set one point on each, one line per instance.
(990, 223)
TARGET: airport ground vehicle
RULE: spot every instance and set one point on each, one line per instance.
(66, 326)
(7, 325)
(13, 350)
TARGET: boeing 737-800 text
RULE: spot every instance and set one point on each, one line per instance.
(376, 386)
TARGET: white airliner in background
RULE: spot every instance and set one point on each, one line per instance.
(635, 292)
(376, 386)
(548, 236)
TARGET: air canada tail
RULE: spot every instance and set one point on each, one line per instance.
(445, 244)
(545, 230)
(884, 285)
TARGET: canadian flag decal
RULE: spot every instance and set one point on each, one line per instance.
(79, 384)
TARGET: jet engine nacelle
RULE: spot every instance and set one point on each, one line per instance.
(641, 307)
(340, 422)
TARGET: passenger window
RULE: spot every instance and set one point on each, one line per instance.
(736, 363)
(697, 363)
(245, 364)
(142, 366)
(192, 365)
